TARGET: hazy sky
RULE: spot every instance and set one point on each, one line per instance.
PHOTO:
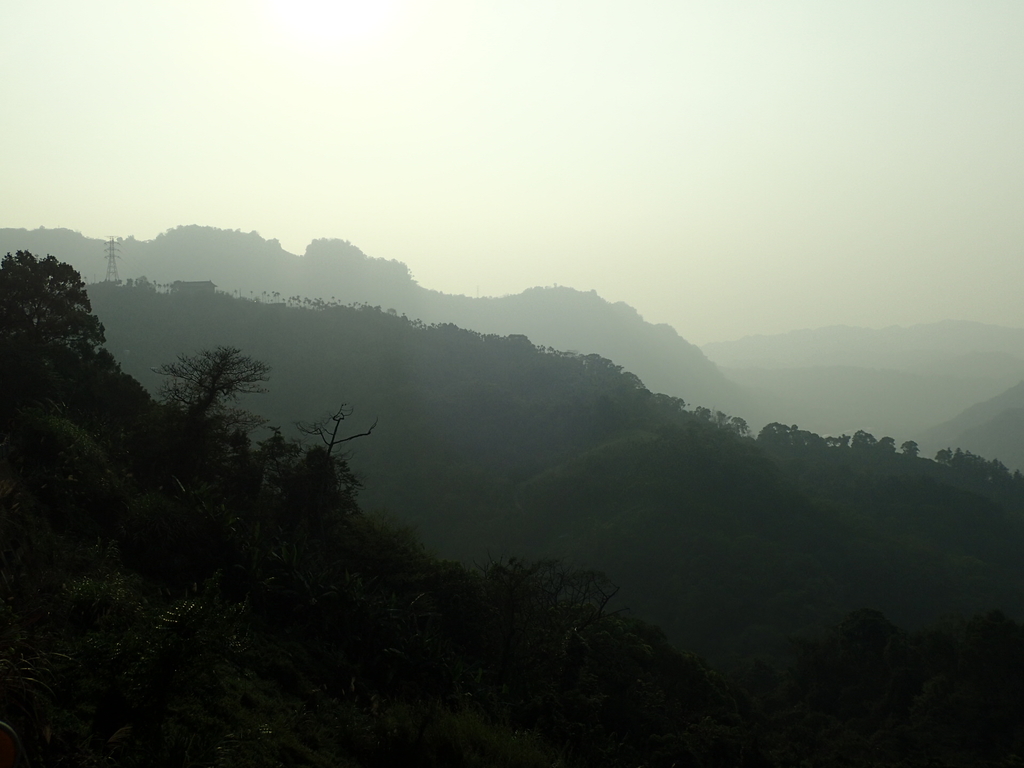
(726, 167)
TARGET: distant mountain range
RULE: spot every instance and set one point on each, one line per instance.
(941, 384)
(251, 266)
(896, 381)
(944, 347)
(994, 427)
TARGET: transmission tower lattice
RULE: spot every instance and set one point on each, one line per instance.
(112, 258)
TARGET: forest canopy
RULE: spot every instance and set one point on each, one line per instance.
(180, 589)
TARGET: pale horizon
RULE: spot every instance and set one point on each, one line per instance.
(730, 170)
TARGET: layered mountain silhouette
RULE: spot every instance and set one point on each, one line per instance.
(250, 266)
(897, 381)
(994, 427)
(926, 348)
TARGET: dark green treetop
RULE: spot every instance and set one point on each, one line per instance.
(43, 301)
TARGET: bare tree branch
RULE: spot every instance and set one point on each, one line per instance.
(327, 428)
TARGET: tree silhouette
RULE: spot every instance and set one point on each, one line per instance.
(203, 384)
(200, 390)
(43, 301)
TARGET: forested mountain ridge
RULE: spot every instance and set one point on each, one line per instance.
(897, 381)
(492, 444)
(568, 319)
(174, 592)
(335, 271)
(993, 427)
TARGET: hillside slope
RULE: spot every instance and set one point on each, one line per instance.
(174, 592)
(492, 445)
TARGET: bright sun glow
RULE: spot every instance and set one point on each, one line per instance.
(331, 21)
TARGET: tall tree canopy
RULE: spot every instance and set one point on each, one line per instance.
(43, 301)
(51, 343)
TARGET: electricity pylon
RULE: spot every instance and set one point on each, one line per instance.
(112, 258)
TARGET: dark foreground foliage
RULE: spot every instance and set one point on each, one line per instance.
(232, 605)
(149, 622)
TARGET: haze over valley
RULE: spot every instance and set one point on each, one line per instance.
(526, 384)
